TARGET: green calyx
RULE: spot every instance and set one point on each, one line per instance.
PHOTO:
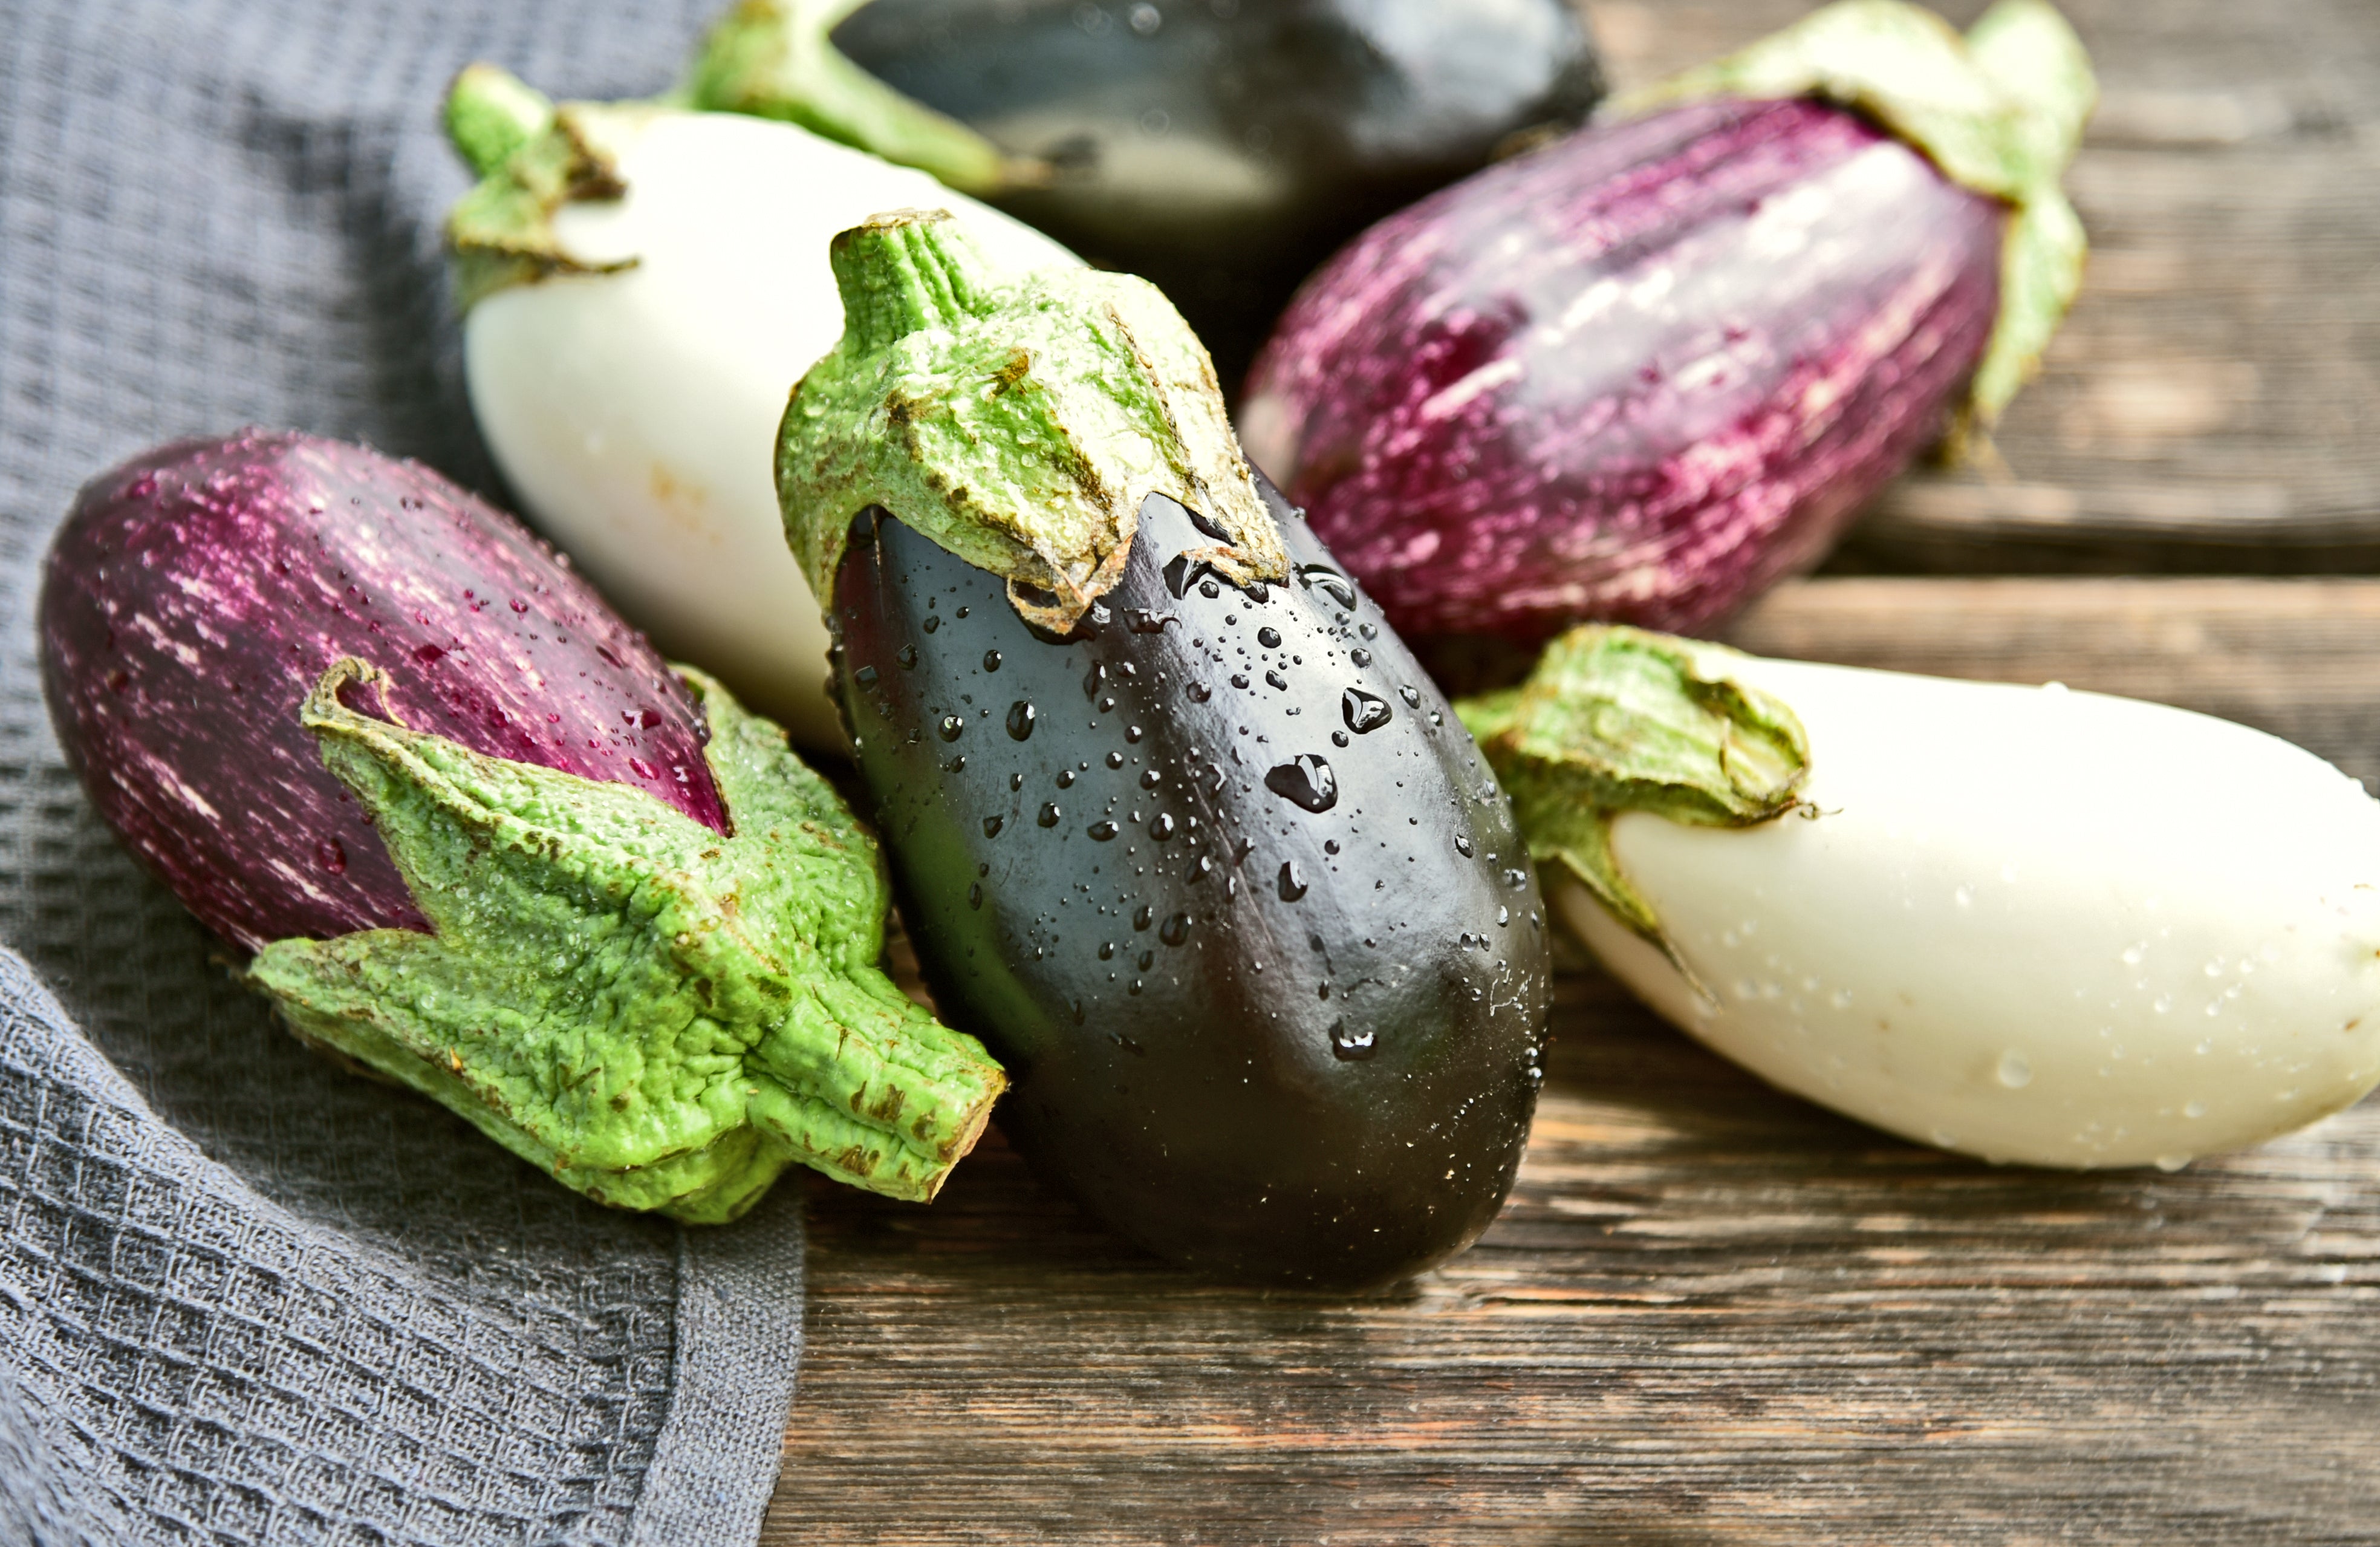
(532, 157)
(1017, 423)
(2000, 111)
(661, 1017)
(1616, 719)
(776, 59)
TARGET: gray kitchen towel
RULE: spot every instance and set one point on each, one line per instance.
(245, 1295)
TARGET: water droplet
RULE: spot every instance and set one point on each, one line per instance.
(1020, 720)
(1280, 683)
(1198, 692)
(1322, 577)
(1107, 950)
(1134, 733)
(1176, 928)
(992, 824)
(2172, 1162)
(907, 656)
(1338, 739)
(1411, 694)
(1150, 778)
(1115, 759)
(1017, 780)
(1239, 680)
(1268, 637)
(332, 855)
(992, 660)
(2016, 1070)
(1182, 572)
(1306, 780)
(975, 894)
(1364, 713)
(1101, 830)
(1360, 656)
(2132, 953)
(1354, 1046)
(1048, 816)
(951, 727)
(2194, 1109)
(1148, 959)
(864, 675)
(1292, 880)
(1162, 828)
(519, 605)
(1462, 845)
(933, 623)
(1516, 879)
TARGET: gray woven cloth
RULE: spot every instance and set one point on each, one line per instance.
(245, 1296)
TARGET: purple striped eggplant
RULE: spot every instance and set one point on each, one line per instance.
(481, 838)
(1650, 369)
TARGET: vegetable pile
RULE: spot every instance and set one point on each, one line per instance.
(480, 839)
(1179, 827)
(1642, 375)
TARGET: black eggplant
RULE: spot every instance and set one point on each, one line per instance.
(1220, 148)
(1210, 865)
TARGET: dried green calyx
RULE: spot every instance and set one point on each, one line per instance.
(1617, 719)
(532, 157)
(2000, 111)
(777, 59)
(1018, 423)
(661, 1017)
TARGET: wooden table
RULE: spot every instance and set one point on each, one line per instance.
(1712, 1313)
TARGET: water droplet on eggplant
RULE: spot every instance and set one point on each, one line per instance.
(992, 660)
(992, 824)
(1352, 1046)
(1048, 816)
(1175, 930)
(950, 728)
(1305, 780)
(1101, 830)
(1020, 720)
(1364, 713)
(1291, 881)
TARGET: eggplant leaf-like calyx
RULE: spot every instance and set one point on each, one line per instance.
(776, 59)
(2000, 111)
(532, 158)
(661, 1017)
(1616, 719)
(1017, 423)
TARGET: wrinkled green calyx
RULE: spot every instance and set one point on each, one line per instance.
(1617, 719)
(775, 59)
(532, 157)
(661, 1017)
(2000, 111)
(1018, 423)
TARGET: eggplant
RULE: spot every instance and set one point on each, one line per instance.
(1646, 371)
(1218, 148)
(643, 284)
(1179, 827)
(480, 839)
(2024, 923)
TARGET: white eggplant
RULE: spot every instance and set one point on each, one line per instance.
(644, 286)
(2023, 923)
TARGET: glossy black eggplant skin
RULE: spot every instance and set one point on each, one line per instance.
(1223, 148)
(1272, 1019)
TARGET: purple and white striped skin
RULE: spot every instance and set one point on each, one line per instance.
(1638, 376)
(194, 596)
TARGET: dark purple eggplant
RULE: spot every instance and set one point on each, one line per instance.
(1218, 148)
(480, 839)
(1179, 826)
(1646, 371)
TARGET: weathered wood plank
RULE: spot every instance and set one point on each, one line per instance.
(1711, 1312)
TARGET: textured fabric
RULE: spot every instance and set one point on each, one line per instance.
(245, 1295)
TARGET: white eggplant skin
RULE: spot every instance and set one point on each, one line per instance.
(2026, 924)
(635, 413)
